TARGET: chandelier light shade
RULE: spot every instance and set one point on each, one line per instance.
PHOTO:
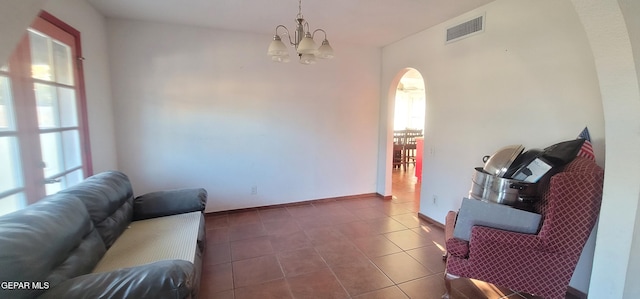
(325, 51)
(277, 47)
(307, 45)
(307, 59)
(302, 41)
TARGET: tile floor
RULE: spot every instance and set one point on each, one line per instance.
(354, 248)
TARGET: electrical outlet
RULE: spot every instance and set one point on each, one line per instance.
(254, 190)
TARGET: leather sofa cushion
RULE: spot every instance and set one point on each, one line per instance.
(48, 242)
(169, 202)
(108, 196)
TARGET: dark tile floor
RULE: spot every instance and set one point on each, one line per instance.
(353, 248)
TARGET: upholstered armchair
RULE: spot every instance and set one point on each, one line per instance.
(541, 264)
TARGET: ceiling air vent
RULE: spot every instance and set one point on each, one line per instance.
(466, 29)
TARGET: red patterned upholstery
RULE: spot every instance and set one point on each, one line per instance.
(539, 264)
(455, 246)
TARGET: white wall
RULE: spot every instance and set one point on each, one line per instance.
(198, 107)
(15, 17)
(92, 26)
(523, 81)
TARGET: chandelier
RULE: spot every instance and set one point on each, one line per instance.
(306, 48)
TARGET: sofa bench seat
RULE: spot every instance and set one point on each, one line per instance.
(152, 240)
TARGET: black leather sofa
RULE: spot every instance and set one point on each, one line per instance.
(52, 248)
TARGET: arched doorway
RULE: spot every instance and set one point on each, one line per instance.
(408, 136)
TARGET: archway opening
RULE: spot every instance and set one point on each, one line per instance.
(408, 138)
(409, 107)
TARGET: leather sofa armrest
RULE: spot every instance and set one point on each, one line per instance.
(170, 202)
(163, 279)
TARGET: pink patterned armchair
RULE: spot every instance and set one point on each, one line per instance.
(541, 264)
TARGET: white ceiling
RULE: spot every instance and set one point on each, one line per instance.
(362, 22)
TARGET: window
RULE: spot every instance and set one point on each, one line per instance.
(43, 133)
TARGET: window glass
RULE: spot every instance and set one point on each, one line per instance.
(40, 56)
(54, 185)
(62, 62)
(68, 107)
(12, 203)
(50, 144)
(71, 149)
(66, 181)
(46, 100)
(6, 107)
(74, 178)
(10, 174)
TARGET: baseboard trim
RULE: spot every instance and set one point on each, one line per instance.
(430, 220)
(297, 203)
(577, 293)
(388, 197)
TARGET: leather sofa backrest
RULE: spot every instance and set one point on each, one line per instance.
(108, 196)
(45, 244)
